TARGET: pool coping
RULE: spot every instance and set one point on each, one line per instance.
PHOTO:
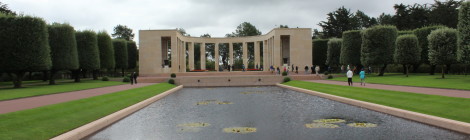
(454, 125)
(92, 127)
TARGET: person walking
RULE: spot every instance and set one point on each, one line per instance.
(131, 77)
(349, 74)
(278, 70)
(243, 67)
(292, 68)
(317, 69)
(297, 69)
(306, 69)
(362, 75)
(312, 68)
(134, 77)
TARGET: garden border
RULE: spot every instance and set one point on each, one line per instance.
(92, 127)
(454, 125)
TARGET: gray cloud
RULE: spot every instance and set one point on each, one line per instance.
(216, 17)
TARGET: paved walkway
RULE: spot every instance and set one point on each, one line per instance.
(423, 90)
(38, 101)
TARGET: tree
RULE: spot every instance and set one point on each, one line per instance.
(445, 13)
(407, 51)
(463, 54)
(123, 32)
(422, 34)
(333, 52)
(283, 26)
(88, 52)
(337, 22)
(443, 47)
(106, 50)
(245, 29)
(378, 45)
(385, 19)
(64, 52)
(364, 21)
(120, 54)
(318, 35)
(132, 54)
(206, 35)
(24, 46)
(408, 17)
(182, 32)
(351, 49)
(4, 9)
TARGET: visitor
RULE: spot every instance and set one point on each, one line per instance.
(243, 67)
(135, 77)
(342, 68)
(312, 68)
(278, 71)
(297, 69)
(306, 69)
(317, 69)
(349, 74)
(131, 77)
(292, 68)
(370, 70)
(228, 68)
(271, 68)
(256, 66)
(232, 68)
(362, 75)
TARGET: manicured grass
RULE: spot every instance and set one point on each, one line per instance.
(43, 89)
(419, 80)
(441, 106)
(52, 120)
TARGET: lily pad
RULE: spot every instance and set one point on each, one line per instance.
(240, 130)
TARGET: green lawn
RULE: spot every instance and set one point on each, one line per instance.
(419, 80)
(442, 106)
(44, 88)
(52, 120)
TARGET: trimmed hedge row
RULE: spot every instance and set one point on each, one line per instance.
(319, 50)
(106, 49)
(351, 49)
(333, 52)
(378, 45)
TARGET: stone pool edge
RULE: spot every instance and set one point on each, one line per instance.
(92, 127)
(454, 125)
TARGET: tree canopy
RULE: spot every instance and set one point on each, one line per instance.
(351, 49)
(245, 29)
(123, 32)
(443, 47)
(464, 33)
(378, 45)
(106, 49)
(4, 9)
(407, 51)
(333, 52)
(88, 51)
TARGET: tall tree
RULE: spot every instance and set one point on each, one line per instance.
(351, 49)
(422, 34)
(24, 46)
(106, 49)
(408, 17)
(364, 21)
(4, 9)
(445, 13)
(378, 45)
(63, 45)
(464, 33)
(123, 32)
(283, 26)
(246, 29)
(182, 31)
(443, 47)
(131, 54)
(318, 35)
(385, 19)
(337, 22)
(88, 52)
(120, 55)
(319, 51)
(407, 51)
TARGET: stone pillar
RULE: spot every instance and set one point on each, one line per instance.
(183, 56)
(230, 53)
(265, 56)
(203, 56)
(216, 57)
(245, 54)
(257, 55)
(191, 55)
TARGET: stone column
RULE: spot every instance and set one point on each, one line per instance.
(265, 56)
(203, 56)
(191, 55)
(257, 55)
(230, 53)
(183, 56)
(216, 57)
(245, 54)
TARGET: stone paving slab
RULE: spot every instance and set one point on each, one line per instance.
(38, 101)
(422, 90)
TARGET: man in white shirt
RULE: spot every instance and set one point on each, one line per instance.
(349, 74)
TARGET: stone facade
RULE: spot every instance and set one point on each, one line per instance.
(280, 46)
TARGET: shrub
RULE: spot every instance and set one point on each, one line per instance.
(105, 78)
(326, 73)
(171, 81)
(330, 76)
(464, 33)
(132, 54)
(173, 75)
(320, 47)
(351, 48)
(286, 79)
(63, 47)
(378, 45)
(284, 73)
(105, 46)
(120, 53)
(422, 34)
(333, 52)
(24, 46)
(407, 51)
(126, 79)
(443, 47)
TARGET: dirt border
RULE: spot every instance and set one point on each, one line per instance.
(458, 126)
(92, 127)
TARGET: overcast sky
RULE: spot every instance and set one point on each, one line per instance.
(197, 17)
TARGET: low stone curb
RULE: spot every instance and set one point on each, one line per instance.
(454, 125)
(92, 127)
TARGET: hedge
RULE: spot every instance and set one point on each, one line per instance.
(443, 47)
(378, 45)
(333, 52)
(407, 51)
(351, 49)
(132, 54)
(319, 50)
(63, 45)
(463, 28)
(88, 52)
(106, 49)
(120, 53)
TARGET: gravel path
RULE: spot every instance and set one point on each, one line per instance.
(38, 101)
(423, 90)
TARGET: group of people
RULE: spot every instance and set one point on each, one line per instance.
(294, 69)
(133, 78)
(362, 76)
